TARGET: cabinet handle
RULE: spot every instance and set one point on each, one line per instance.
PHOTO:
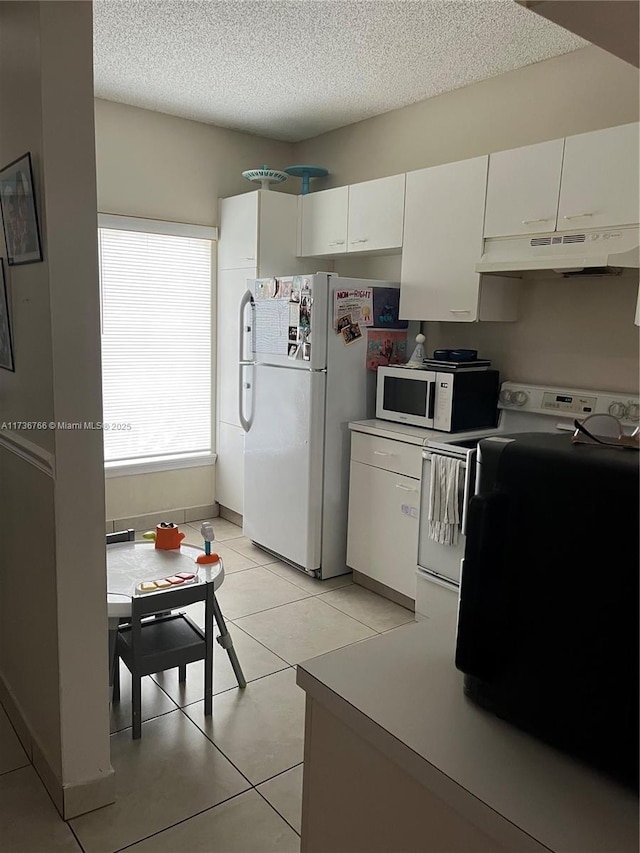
(459, 310)
(577, 215)
(405, 488)
(531, 221)
(382, 453)
(249, 259)
(337, 243)
(364, 240)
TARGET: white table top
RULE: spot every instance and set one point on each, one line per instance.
(402, 692)
(131, 563)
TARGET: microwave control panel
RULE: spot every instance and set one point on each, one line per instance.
(568, 403)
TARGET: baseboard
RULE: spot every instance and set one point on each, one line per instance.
(88, 796)
(384, 590)
(15, 716)
(231, 515)
(179, 515)
(70, 800)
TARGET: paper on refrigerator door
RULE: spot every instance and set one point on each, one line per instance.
(357, 303)
(271, 323)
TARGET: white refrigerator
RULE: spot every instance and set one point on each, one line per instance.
(303, 352)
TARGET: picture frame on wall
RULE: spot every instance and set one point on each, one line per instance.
(19, 212)
(6, 344)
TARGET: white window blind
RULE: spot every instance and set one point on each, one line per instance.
(156, 345)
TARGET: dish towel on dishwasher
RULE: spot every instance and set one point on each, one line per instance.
(444, 500)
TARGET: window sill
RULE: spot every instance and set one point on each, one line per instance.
(150, 466)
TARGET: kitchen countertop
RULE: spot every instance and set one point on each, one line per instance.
(401, 692)
(413, 434)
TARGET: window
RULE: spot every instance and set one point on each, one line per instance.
(156, 291)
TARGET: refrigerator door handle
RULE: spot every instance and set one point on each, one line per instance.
(247, 299)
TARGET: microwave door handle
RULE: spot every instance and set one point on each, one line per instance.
(432, 400)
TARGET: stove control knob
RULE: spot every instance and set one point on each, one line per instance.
(633, 411)
(618, 410)
(506, 396)
(520, 398)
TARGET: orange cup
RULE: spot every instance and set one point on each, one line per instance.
(168, 538)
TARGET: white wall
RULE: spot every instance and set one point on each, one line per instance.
(573, 332)
(163, 167)
(53, 625)
(576, 332)
(585, 90)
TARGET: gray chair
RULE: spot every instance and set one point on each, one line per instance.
(149, 644)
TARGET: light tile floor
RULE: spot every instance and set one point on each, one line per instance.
(230, 783)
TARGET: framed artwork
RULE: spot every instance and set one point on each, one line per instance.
(19, 214)
(6, 349)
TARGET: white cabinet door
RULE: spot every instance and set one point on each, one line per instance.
(376, 214)
(522, 190)
(238, 244)
(444, 213)
(277, 235)
(230, 467)
(324, 222)
(600, 179)
(382, 540)
(232, 284)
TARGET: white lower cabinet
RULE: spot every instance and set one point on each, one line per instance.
(382, 540)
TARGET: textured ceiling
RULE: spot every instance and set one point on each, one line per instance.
(292, 69)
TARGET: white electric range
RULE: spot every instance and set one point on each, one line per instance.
(524, 408)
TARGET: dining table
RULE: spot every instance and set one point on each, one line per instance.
(132, 563)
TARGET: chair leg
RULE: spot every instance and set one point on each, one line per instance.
(226, 641)
(182, 673)
(136, 706)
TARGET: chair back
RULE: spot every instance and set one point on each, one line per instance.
(121, 536)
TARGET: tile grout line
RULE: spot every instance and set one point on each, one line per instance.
(195, 701)
(222, 692)
(22, 766)
(253, 787)
(371, 626)
(184, 820)
(73, 832)
(310, 595)
(270, 804)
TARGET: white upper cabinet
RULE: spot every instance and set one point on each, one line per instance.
(522, 190)
(324, 222)
(238, 245)
(600, 179)
(376, 214)
(585, 181)
(259, 229)
(362, 217)
(443, 219)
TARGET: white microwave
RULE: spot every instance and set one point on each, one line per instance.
(449, 401)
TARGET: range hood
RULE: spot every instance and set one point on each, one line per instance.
(593, 252)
